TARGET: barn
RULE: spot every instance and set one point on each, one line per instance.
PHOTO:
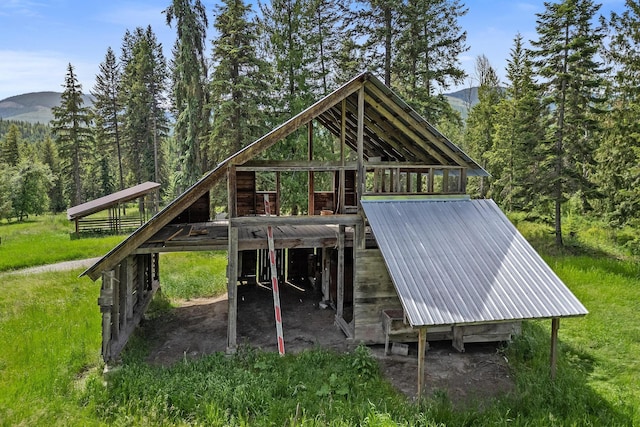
(397, 248)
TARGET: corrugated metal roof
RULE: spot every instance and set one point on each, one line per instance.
(105, 202)
(462, 261)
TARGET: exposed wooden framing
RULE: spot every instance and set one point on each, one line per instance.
(232, 291)
(277, 210)
(232, 191)
(422, 348)
(296, 220)
(296, 165)
(463, 180)
(129, 287)
(555, 325)
(386, 133)
(326, 274)
(311, 186)
(105, 301)
(145, 232)
(370, 146)
(398, 110)
(340, 274)
(418, 140)
(430, 181)
(445, 180)
(343, 138)
(360, 174)
(458, 338)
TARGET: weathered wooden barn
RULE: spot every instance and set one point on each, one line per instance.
(396, 245)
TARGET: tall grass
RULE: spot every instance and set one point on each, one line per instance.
(195, 274)
(49, 339)
(50, 372)
(46, 240)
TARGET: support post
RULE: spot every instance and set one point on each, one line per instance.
(360, 135)
(311, 202)
(232, 291)
(341, 178)
(422, 348)
(326, 274)
(232, 189)
(555, 325)
(340, 274)
(105, 301)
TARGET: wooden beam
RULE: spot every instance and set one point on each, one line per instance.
(385, 133)
(232, 290)
(422, 348)
(311, 188)
(360, 173)
(555, 325)
(232, 192)
(343, 146)
(296, 165)
(398, 110)
(340, 274)
(326, 274)
(295, 220)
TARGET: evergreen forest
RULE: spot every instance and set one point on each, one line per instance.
(560, 134)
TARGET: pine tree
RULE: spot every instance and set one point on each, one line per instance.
(240, 80)
(566, 55)
(326, 29)
(376, 29)
(189, 92)
(429, 47)
(10, 154)
(143, 85)
(72, 129)
(514, 158)
(482, 118)
(108, 110)
(619, 156)
(50, 158)
(283, 26)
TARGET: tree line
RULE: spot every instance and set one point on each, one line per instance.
(560, 133)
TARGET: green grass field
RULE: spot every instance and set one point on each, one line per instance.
(46, 240)
(51, 374)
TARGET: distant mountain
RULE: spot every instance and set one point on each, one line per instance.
(36, 107)
(463, 100)
(33, 107)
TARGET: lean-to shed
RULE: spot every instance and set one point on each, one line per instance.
(397, 247)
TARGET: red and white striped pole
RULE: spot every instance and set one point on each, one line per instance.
(274, 279)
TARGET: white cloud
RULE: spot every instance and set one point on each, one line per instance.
(27, 8)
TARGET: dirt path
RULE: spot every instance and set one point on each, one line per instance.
(199, 327)
(60, 266)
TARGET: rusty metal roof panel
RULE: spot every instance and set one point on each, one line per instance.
(105, 202)
(462, 261)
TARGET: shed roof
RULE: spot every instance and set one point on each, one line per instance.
(462, 261)
(392, 131)
(113, 199)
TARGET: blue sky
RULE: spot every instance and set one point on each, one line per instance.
(38, 38)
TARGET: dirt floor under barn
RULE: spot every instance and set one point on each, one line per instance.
(199, 327)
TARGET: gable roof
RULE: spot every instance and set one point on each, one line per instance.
(392, 131)
(459, 262)
(109, 200)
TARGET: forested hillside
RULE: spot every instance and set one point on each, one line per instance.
(560, 134)
(32, 107)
